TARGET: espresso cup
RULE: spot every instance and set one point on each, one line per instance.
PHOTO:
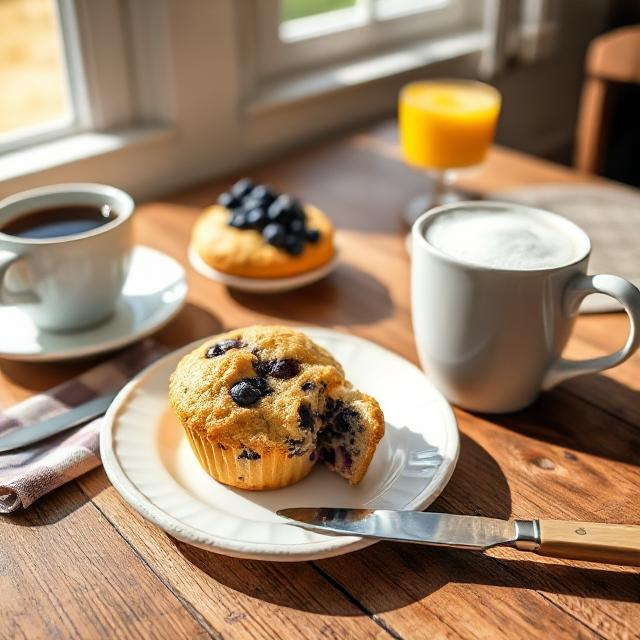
(67, 282)
(491, 336)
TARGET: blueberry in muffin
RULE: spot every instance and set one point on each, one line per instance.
(261, 405)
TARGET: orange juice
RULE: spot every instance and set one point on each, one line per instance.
(446, 124)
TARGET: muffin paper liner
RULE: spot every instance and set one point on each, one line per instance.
(274, 469)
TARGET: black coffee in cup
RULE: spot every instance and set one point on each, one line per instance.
(56, 222)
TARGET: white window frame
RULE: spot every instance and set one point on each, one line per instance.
(171, 96)
(109, 48)
(74, 89)
(362, 30)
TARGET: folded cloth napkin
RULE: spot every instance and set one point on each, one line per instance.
(29, 473)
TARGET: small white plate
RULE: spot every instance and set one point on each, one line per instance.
(154, 292)
(149, 461)
(261, 285)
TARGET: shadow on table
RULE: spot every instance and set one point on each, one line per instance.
(408, 573)
(192, 323)
(478, 487)
(390, 576)
(347, 296)
(566, 417)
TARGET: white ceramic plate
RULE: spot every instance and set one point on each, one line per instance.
(148, 460)
(154, 292)
(261, 285)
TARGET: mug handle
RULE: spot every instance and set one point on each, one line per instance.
(577, 289)
(7, 258)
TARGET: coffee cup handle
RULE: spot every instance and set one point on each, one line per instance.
(578, 288)
(7, 258)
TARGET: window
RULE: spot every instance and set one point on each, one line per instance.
(294, 35)
(79, 79)
(34, 78)
(151, 95)
(154, 94)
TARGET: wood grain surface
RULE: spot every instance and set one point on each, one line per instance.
(81, 563)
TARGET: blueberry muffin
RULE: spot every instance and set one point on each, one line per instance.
(256, 233)
(261, 405)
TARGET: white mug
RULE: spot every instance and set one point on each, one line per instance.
(490, 338)
(68, 282)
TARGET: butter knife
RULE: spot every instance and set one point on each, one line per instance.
(594, 542)
(30, 433)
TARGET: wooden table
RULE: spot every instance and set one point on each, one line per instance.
(81, 563)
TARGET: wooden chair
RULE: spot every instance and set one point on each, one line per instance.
(611, 58)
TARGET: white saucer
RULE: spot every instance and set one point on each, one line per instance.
(149, 461)
(153, 294)
(261, 285)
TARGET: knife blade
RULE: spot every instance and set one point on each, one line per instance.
(30, 433)
(591, 541)
(464, 532)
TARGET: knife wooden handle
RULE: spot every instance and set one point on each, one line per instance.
(612, 543)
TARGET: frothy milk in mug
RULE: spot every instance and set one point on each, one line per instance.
(505, 240)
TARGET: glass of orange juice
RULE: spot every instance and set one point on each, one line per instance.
(445, 125)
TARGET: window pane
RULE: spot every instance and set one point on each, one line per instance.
(33, 79)
(292, 9)
(385, 9)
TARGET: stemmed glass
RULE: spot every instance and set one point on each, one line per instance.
(445, 126)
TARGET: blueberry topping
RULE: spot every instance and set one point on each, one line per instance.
(274, 234)
(306, 417)
(241, 188)
(278, 210)
(257, 218)
(263, 193)
(298, 213)
(249, 454)
(308, 386)
(222, 347)
(279, 217)
(227, 200)
(238, 220)
(248, 391)
(285, 202)
(296, 227)
(313, 235)
(248, 204)
(293, 245)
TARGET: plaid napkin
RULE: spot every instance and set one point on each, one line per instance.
(29, 473)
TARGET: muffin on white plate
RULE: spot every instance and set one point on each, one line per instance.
(261, 405)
